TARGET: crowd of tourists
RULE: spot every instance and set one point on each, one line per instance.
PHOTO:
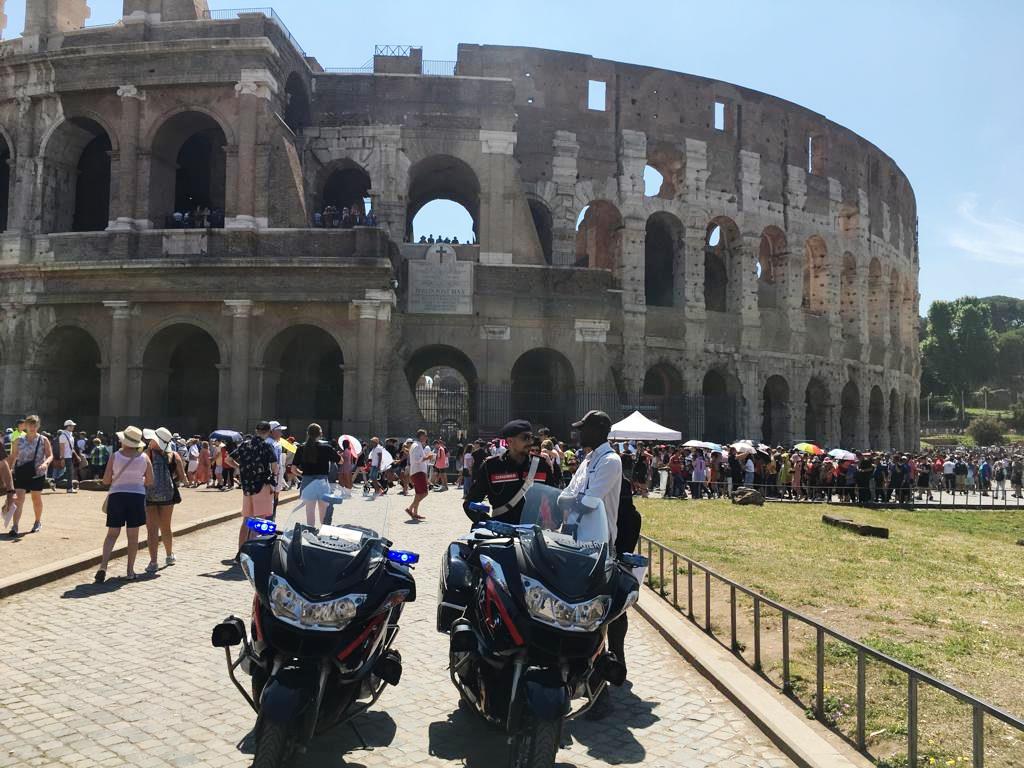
(332, 217)
(198, 217)
(431, 240)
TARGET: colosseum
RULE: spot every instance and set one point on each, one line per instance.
(767, 289)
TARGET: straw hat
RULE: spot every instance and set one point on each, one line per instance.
(131, 437)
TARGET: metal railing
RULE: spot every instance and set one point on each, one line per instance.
(915, 677)
(438, 68)
(270, 13)
(366, 69)
(394, 50)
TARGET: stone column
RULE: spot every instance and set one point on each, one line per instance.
(367, 310)
(256, 87)
(694, 310)
(744, 264)
(238, 389)
(634, 306)
(125, 215)
(12, 331)
(116, 402)
(593, 335)
(566, 150)
(24, 171)
(496, 224)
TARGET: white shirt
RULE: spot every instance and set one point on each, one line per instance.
(67, 442)
(418, 457)
(375, 456)
(600, 476)
(948, 468)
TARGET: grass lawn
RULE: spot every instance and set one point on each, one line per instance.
(945, 594)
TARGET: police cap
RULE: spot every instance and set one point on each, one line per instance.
(515, 427)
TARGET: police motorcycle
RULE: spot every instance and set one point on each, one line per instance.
(527, 608)
(328, 599)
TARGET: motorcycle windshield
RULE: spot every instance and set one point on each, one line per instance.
(581, 520)
(331, 511)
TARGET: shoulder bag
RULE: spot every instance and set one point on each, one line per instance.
(25, 472)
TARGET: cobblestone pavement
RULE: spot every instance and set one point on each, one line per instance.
(123, 675)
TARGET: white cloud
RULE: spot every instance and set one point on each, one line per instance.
(993, 239)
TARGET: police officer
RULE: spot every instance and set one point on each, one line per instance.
(504, 480)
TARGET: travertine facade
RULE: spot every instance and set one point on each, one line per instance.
(767, 290)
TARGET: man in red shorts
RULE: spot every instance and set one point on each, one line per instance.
(419, 465)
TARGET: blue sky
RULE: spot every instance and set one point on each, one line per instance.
(936, 85)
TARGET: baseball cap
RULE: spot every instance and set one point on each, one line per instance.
(276, 425)
(597, 418)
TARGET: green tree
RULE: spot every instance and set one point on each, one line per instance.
(959, 350)
(986, 431)
(1007, 313)
(1010, 359)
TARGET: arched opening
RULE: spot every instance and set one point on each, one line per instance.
(815, 296)
(775, 426)
(347, 189)
(816, 425)
(5, 182)
(181, 380)
(895, 310)
(544, 390)
(653, 182)
(721, 392)
(849, 298)
(442, 178)
(876, 300)
(297, 113)
(444, 383)
(188, 173)
(849, 417)
(544, 225)
(908, 312)
(68, 386)
(77, 187)
(720, 253)
(663, 398)
(771, 268)
(303, 377)
(876, 420)
(662, 245)
(599, 237)
(665, 172)
(895, 428)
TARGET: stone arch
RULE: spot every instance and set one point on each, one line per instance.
(816, 412)
(721, 268)
(663, 245)
(76, 176)
(815, 295)
(445, 385)
(599, 236)
(181, 379)
(876, 419)
(344, 184)
(849, 416)
(303, 375)
(67, 364)
(908, 313)
(772, 255)
(722, 395)
(668, 161)
(876, 300)
(543, 223)
(442, 177)
(6, 161)
(664, 395)
(543, 389)
(849, 297)
(776, 428)
(297, 111)
(896, 309)
(188, 165)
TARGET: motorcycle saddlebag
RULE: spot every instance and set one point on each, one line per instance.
(456, 587)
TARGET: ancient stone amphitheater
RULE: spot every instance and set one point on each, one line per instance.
(767, 289)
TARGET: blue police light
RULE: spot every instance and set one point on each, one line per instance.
(403, 558)
(262, 527)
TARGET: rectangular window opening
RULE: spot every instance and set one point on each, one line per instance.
(719, 116)
(810, 154)
(816, 155)
(597, 96)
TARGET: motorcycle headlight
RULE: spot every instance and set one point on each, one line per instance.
(548, 608)
(328, 616)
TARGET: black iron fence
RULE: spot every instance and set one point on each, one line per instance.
(663, 575)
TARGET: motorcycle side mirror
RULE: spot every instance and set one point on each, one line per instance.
(228, 633)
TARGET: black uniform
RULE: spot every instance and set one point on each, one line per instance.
(498, 479)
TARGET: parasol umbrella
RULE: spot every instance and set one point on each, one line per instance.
(841, 455)
(810, 448)
(694, 444)
(353, 444)
(228, 435)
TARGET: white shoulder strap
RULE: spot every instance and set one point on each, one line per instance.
(521, 493)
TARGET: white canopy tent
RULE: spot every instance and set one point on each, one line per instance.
(639, 427)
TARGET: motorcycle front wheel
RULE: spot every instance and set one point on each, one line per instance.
(272, 747)
(537, 745)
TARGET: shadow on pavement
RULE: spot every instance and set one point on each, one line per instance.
(611, 739)
(233, 573)
(112, 584)
(341, 747)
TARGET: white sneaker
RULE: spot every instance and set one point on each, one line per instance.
(171, 560)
